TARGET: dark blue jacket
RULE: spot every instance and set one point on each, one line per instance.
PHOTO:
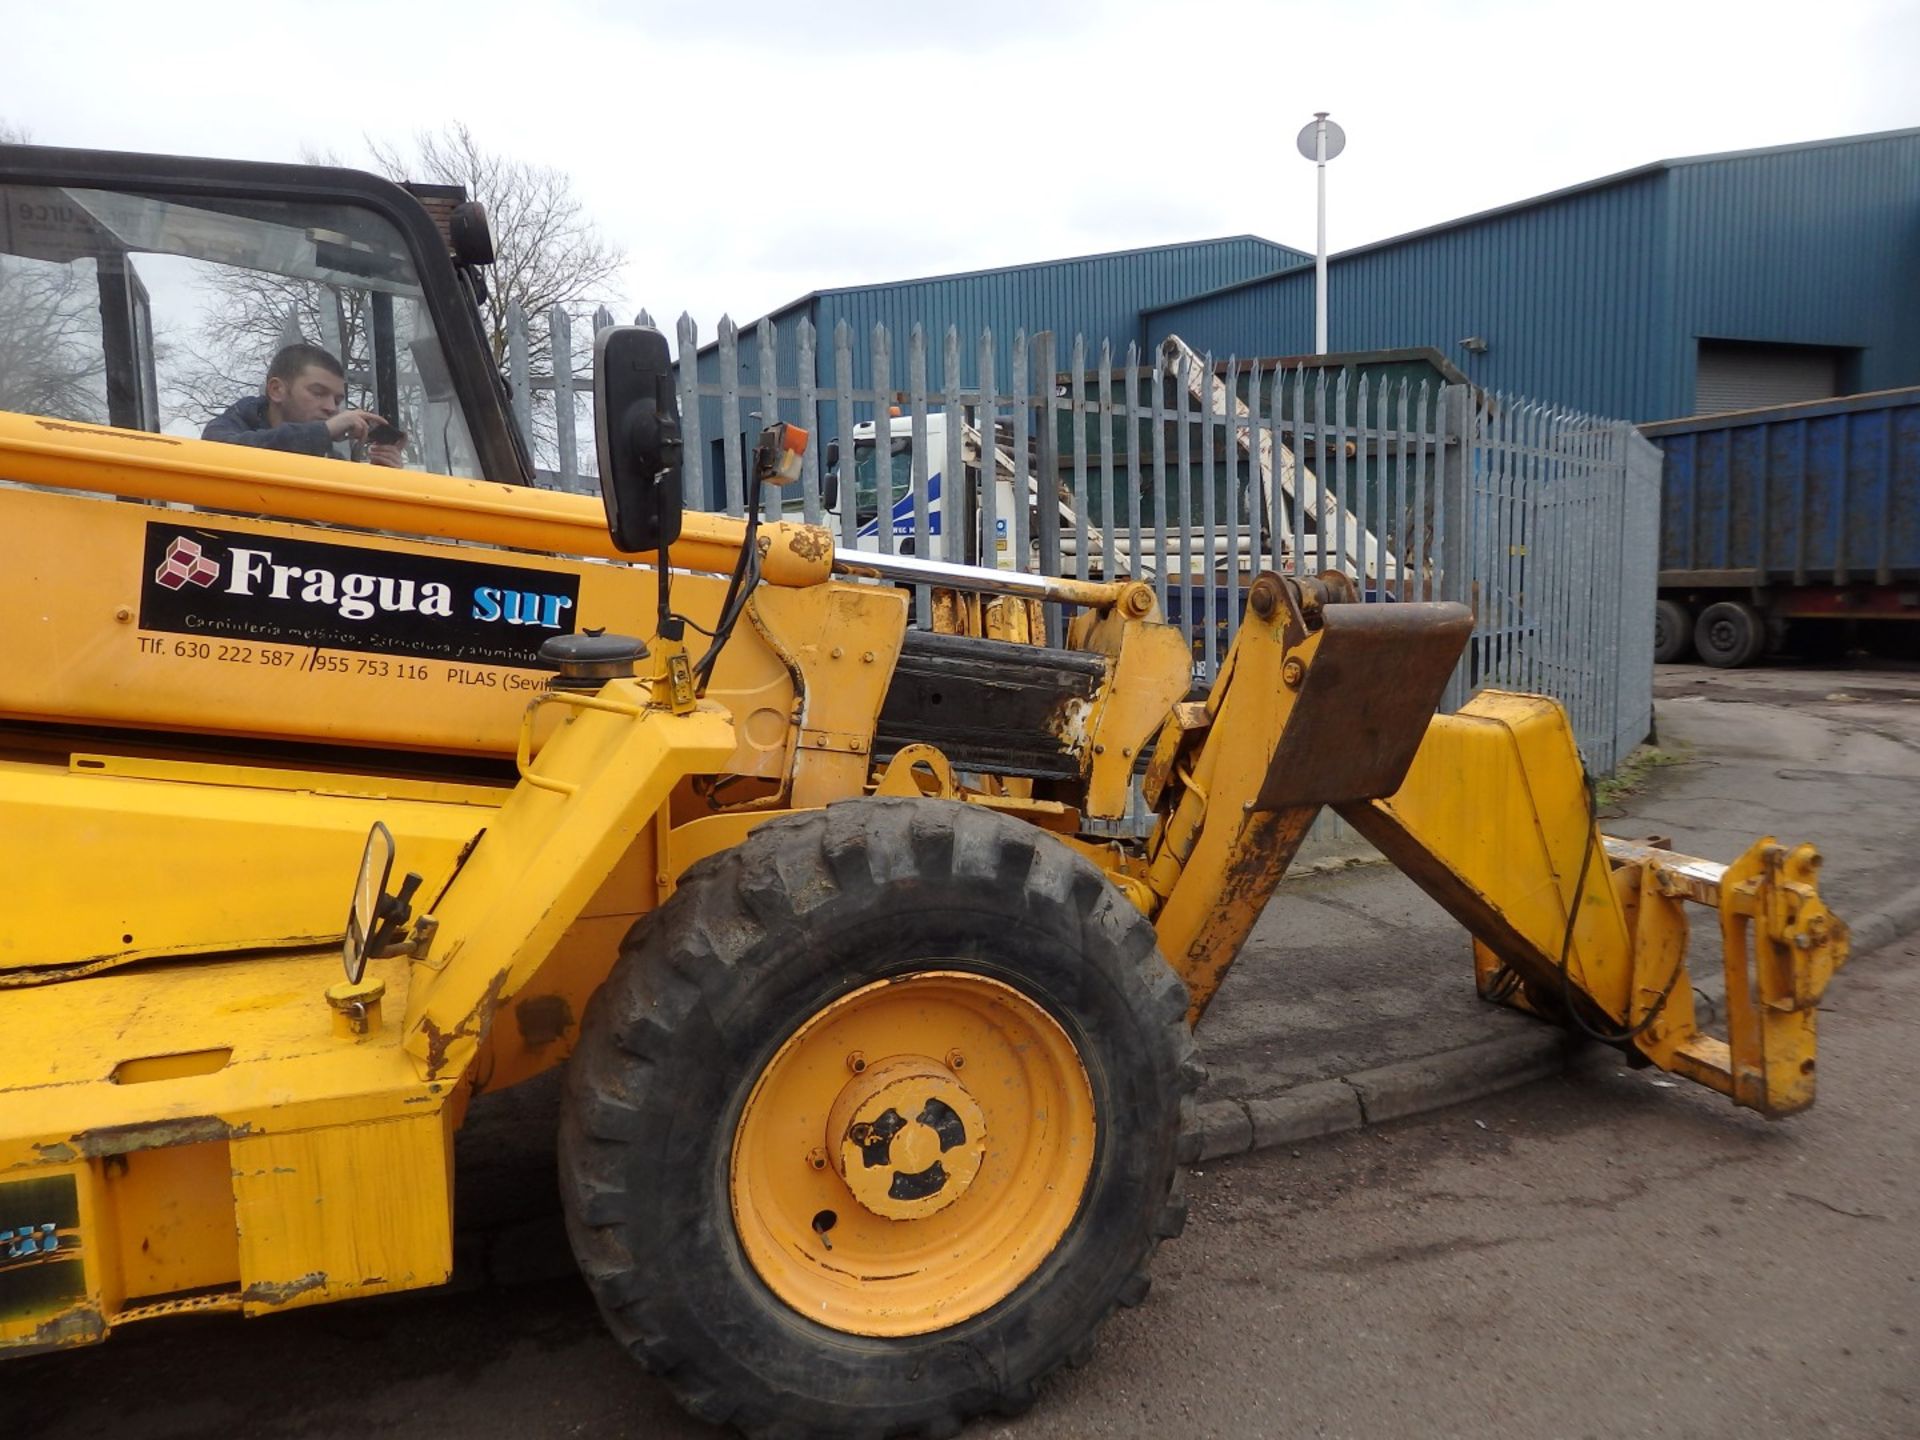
(245, 423)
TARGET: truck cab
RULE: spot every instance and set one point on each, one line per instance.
(865, 503)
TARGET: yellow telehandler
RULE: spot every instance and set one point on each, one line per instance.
(878, 1053)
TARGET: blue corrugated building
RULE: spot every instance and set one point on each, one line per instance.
(1681, 287)
(1098, 296)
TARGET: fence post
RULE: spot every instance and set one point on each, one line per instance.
(729, 356)
(956, 504)
(1132, 383)
(808, 377)
(1077, 410)
(881, 352)
(1047, 483)
(768, 497)
(923, 468)
(849, 528)
(1639, 585)
(693, 485)
(987, 421)
(1450, 512)
(560, 333)
(518, 377)
(1023, 486)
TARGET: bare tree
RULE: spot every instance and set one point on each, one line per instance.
(247, 316)
(547, 251)
(52, 361)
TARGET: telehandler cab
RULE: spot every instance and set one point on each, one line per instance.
(877, 1055)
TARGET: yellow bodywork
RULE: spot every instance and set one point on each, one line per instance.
(196, 1114)
(1493, 821)
(191, 1102)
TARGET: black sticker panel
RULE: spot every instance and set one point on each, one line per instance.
(41, 1266)
(234, 586)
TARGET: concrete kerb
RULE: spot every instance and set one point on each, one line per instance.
(1451, 1077)
(1886, 923)
(1380, 1094)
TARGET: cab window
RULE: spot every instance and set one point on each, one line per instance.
(159, 313)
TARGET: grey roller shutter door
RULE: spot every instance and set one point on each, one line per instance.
(1756, 377)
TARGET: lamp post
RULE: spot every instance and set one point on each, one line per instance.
(1320, 142)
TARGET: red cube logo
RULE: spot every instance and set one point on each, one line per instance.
(184, 564)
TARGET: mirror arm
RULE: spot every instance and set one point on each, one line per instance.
(393, 912)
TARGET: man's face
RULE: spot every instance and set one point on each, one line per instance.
(315, 393)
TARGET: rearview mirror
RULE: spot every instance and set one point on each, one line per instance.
(363, 915)
(830, 478)
(636, 430)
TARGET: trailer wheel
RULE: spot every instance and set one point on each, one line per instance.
(1729, 634)
(876, 1120)
(1672, 632)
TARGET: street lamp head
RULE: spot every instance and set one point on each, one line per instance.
(1309, 141)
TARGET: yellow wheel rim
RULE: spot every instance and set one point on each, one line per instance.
(912, 1154)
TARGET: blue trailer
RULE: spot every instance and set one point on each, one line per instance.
(1805, 516)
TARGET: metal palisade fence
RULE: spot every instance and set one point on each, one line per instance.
(1195, 473)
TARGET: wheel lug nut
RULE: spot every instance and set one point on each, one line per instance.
(817, 1158)
(856, 1062)
(955, 1060)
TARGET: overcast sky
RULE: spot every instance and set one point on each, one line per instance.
(744, 152)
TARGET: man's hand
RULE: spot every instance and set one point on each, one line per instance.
(352, 424)
(393, 456)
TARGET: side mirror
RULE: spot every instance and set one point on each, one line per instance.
(636, 430)
(363, 914)
(830, 480)
(376, 921)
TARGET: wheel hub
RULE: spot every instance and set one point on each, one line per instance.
(931, 1233)
(906, 1137)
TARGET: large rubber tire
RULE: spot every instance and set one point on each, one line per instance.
(1729, 634)
(1672, 632)
(707, 990)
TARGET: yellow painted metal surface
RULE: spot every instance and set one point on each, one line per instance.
(82, 648)
(367, 1207)
(939, 1123)
(841, 643)
(304, 1166)
(175, 1107)
(129, 860)
(1152, 670)
(243, 480)
(172, 1214)
(1493, 822)
(607, 772)
(1497, 797)
(979, 1044)
(1213, 859)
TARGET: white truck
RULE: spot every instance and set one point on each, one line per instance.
(860, 508)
